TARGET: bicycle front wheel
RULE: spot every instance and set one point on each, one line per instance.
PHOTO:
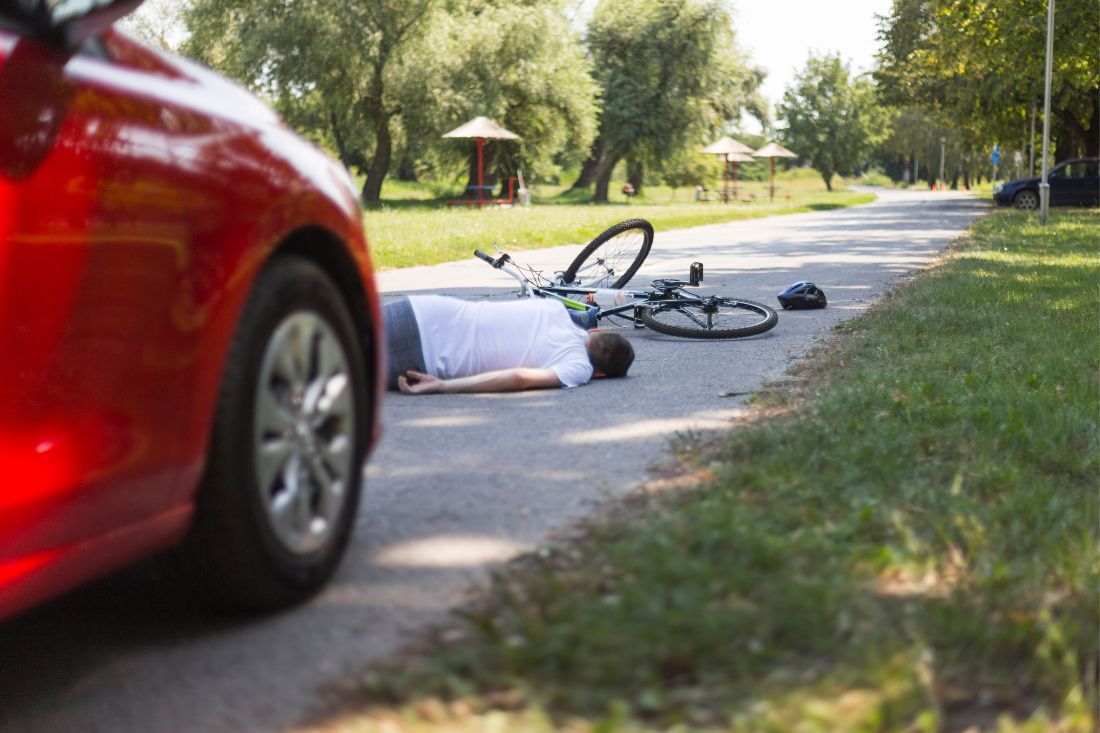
(710, 318)
(611, 259)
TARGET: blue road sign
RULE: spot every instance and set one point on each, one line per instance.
(995, 156)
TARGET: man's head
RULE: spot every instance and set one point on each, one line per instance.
(611, 354)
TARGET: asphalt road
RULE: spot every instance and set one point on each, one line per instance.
(458, 484)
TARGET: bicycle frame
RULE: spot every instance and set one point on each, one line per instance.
(640, 298)
(650, 307)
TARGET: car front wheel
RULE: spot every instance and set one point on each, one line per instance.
(1026, 200)
(278, 499)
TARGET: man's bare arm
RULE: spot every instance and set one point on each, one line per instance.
(503, 380)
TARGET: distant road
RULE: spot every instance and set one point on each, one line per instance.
(459, 483)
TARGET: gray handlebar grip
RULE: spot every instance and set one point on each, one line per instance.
(482, 256)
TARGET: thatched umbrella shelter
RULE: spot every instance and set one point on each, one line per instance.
(481, 129)
(731, 152)
(773, 151)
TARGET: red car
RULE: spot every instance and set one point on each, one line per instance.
(189, 326)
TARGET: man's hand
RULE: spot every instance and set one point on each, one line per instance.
(414, 382)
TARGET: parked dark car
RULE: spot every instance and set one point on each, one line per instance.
(189, 325)
(1073, 183)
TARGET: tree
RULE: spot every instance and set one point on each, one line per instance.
(520, 63)
(669, 71)
(831, 119)
(157, 22)
(381, 81)
(979, 66)
(915, 141)
(332, 68)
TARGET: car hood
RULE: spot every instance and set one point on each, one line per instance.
(228, 98)
(207, 91)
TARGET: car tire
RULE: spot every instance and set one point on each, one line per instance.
(1026, 200)
(279, 494)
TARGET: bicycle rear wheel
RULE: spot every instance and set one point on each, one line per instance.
(710, 318)
(611, 259)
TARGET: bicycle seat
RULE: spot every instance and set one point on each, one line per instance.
(666, 284)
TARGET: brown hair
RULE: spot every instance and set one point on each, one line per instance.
(610, 353)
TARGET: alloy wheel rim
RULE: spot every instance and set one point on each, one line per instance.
(303, 432)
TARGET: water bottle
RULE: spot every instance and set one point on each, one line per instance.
(608, 298)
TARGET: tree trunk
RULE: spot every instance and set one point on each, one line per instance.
(341, 149)
(406, 170)
(588, 170)
(380, 163)
(827, 176)
(1092, 132)
(1078, 137)
(603, 176)
(504, 177)
(636, 177)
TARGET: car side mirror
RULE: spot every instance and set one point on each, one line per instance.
(71, 22)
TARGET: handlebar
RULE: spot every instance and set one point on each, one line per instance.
(498, 263)
(504, 264)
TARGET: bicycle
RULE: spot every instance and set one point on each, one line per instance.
(609, 261)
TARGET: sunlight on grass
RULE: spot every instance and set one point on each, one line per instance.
(403, 235)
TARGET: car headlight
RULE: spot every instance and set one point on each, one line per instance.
(999, 188)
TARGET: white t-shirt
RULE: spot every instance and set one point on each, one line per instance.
(461, 338)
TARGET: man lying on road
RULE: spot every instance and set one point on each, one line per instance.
(439, 344)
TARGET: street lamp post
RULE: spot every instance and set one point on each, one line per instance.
(1044, 187)
(1031, 142)
(943, 142)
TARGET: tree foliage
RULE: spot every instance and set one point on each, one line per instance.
(333, 68)
(917, 140)
(158, 23)
(979, 67)
(831, 119)
(669, 72)
(373, 78)
(520, 64)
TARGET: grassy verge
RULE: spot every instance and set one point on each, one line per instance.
(413, 230)
(905, 542)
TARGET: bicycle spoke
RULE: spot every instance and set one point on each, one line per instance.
(685, 312)
(611, 259)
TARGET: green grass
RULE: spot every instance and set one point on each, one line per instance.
(905, 542)
(879, 178)
(413, 226)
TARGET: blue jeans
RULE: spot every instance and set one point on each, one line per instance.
(402, 340)
(586, 319)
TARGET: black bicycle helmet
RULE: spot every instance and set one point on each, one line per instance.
(802, 296)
